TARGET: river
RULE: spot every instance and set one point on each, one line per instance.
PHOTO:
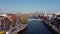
(35, 27)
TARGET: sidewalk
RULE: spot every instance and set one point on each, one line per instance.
(23, 26)
(16, 29)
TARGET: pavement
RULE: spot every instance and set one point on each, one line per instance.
(19, 28)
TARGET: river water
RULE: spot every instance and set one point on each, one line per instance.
(35, 27)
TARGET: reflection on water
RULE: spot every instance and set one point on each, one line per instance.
(35, 27)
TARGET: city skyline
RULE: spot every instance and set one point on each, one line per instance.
(29, 6)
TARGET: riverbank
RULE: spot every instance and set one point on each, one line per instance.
(20, 29)
(53, 30)
(50, 28)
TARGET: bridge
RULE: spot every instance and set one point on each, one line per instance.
(34, 19)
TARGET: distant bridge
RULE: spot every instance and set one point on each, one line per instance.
(34, 19)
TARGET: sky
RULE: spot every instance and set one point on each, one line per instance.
(29, 6)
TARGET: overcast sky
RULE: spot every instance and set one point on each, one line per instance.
(29, 6)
